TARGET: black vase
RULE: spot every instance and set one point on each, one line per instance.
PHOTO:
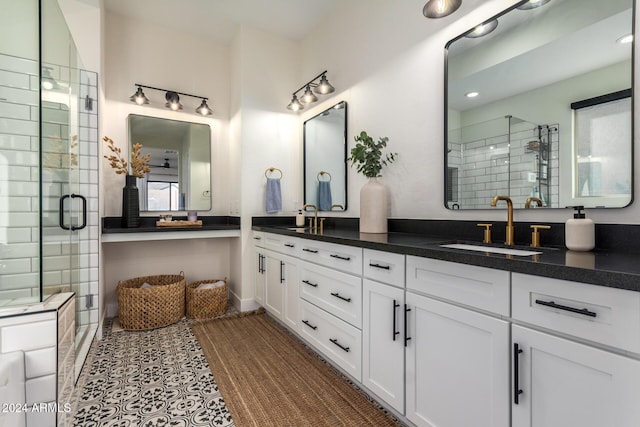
(130, 203)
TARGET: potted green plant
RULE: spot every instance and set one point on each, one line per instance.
(369, 158)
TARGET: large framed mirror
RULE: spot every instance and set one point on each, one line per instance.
(325, 159)
(180, 177)
(538, 106)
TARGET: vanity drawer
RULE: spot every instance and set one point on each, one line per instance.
(258, 239)
(605, 315)
(338, 293)
(384, 267)
(280, 243)
(337, 340)
(479, 287)
(338, 257)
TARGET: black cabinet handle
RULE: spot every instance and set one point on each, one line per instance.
(337, 295)
(257, 238)
(313, 251)
(259, 263)
(281, 271)
(335, 341)
(344, 258)
(306, 282)
(583, 311)
(309, 325)
(289, 245)
(406, 324)
(516, 375)
(395, 306)
(385, 267)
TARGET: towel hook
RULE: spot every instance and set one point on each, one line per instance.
(272, 169)
(323, 173)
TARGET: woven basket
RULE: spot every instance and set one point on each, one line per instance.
(206, 303)
(154, 307)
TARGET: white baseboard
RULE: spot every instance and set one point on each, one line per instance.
(247, 304)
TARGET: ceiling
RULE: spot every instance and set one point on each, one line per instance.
(220, 19)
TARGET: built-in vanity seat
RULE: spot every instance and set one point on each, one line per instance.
(448, 337)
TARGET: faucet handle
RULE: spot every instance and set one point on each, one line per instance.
(487, 232)
(535, 234)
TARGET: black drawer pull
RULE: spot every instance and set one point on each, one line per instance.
(516, 374)
(257, 238)
(344, 258)
(337, 295)
(386, 267)
(306, 282)
(306, 322)
(313, 251)
(583, 311)
(335, 341)
(289, 245)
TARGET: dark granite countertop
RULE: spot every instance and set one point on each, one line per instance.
(604, 267)
(112, 224)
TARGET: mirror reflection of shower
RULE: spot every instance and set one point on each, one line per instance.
(503, 156)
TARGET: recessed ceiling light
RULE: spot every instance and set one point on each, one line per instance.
(532, 4)
(471, 94)
(625, 39)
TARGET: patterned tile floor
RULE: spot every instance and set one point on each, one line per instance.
(150, 378)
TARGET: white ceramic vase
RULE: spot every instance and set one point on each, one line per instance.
(373, 207)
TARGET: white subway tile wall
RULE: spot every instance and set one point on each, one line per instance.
(501, 165)
(69, 166)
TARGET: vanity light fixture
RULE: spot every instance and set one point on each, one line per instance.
(483, 29)
(440, 8)
(322, 87)
(172, 98)
(532, 4)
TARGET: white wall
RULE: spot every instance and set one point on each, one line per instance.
(150, 55)
(387, 61)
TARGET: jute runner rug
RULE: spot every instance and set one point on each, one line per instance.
(268, 378)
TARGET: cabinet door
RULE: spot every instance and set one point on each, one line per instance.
(383, 342)
(291, 310)
(565, 383)
(260, 277)
(274, 284)
(457, 366)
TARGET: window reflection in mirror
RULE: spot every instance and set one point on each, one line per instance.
(325, 153)
(518, 134)
(180, 177)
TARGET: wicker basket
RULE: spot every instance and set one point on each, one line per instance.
(206, 303)
(154, 307)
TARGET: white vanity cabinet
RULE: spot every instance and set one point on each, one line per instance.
(457, 359)
(281, 281)
(383, 342)
(281, 287)
(259, 267)
(587, 375)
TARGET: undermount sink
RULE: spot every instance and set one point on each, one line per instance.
(491, 249)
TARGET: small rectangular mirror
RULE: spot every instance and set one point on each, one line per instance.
(180, 177)
(325, 159)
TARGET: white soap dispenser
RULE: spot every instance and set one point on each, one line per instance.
(580, 232)
(300, 219)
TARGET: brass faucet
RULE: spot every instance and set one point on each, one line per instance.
(527, 204)
(315, 216)
(510, 230)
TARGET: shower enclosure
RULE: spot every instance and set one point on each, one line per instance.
(504, 156)
(48, 165)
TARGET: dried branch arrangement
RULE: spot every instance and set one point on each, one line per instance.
(139, 162)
